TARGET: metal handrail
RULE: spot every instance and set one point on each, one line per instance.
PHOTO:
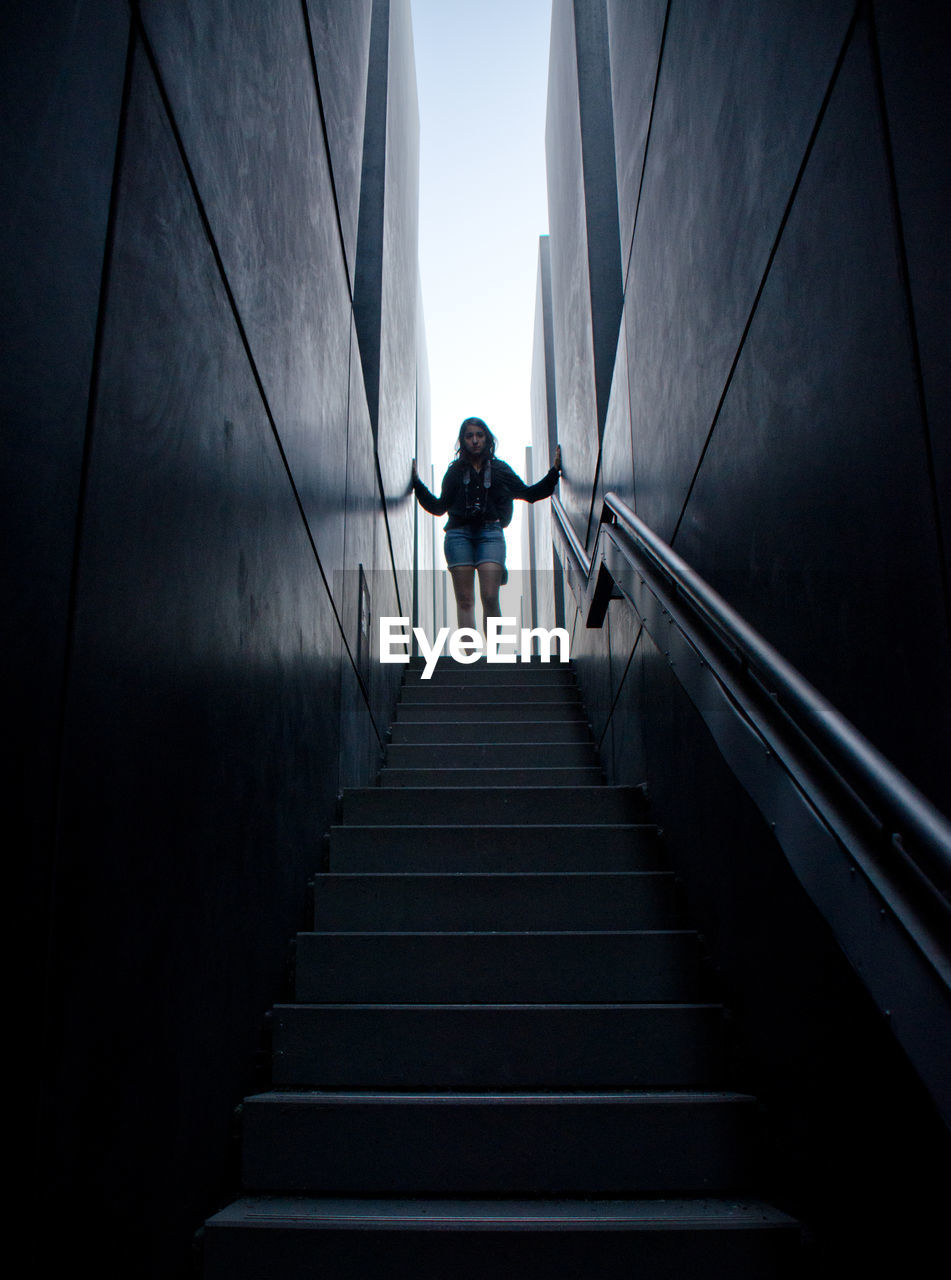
(892, 920)
(574, 543)
(890, 795)
(914, 824)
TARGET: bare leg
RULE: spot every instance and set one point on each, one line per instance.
(490, 581)
(463, 583)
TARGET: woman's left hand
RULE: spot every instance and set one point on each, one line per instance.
(557, 459)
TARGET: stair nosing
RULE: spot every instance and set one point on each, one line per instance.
(495, 933)
(517, 1097)
(431, 1213)
(454, 875)
(491, 826)
(498, 1006)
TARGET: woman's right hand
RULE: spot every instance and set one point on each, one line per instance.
(415, 475)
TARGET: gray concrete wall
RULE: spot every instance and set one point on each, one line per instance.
(191, 482)
(779, 412)
(584, 244)
(423, 532)
(778, 404)
(549, 603)
(788, 424)
(386, 282)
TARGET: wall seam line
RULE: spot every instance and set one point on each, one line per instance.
(647, 143)
(629, 258)
(787, 213)
(386, 523)
(627, 667)
(330, 166)
(594, 495)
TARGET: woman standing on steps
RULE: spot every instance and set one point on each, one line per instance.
(477, 493)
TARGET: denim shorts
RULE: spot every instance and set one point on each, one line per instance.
(475, 545)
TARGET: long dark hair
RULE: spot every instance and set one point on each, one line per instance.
(460, 439)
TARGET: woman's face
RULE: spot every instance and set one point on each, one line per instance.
(474, 441)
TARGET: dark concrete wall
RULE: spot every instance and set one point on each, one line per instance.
(779, 412)
(544, 411)
(340, 42)
(399, 291)
(387, 275)
(424, 593)
(62, 91)
(191, 485)
(778, 403)
(788, 426)
(585, 249)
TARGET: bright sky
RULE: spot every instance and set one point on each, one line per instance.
(482, 77)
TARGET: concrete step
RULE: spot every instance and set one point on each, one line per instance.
(473, 711)
(445, 664)
(509, 776)
(491, 805)
(501, 731)
(508, 848)
(491, 755)
(556, 674)
(486, 693)
(497, 1047)
(414, 1239)
(574, 1060)
(496, 968)
(414, 902)
(602, 1144)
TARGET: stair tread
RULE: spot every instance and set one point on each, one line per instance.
(458, 770)
(493, 805)
(452, 712)
(494, 933)
(490, 691)
(560, 697)
(537, 679)
(436, 1214)
(502, 826)
(485, 793)
(476, 901)
(410, 777)
(578, 1097)
(568, 723)
(498, 1006)
(512, 704)
(468, 876)
(456, 732)
(413, 670)
(447, 847)
(488, 741)
(494, 754)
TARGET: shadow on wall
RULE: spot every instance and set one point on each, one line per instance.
(190, 459)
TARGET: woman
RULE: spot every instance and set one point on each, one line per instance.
(477, 493)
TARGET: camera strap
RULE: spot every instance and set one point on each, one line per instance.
(475, 487)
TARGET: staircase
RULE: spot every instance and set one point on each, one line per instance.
(499, 1060)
